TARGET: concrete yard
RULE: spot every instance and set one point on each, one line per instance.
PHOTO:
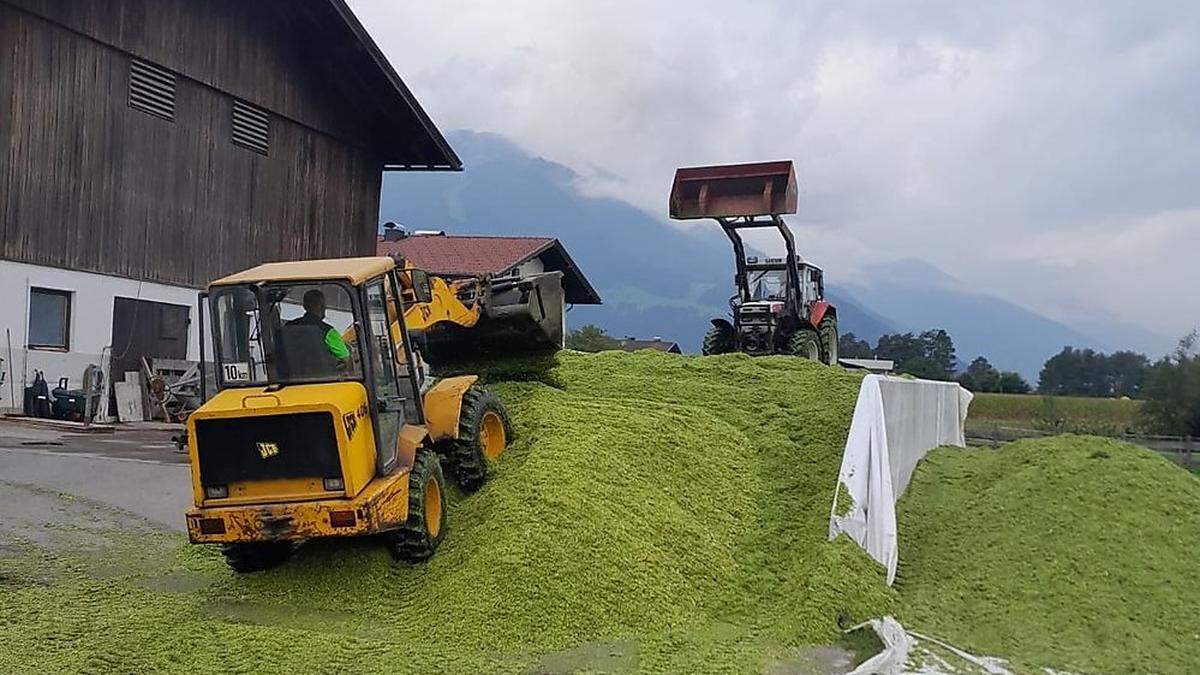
(136, 469)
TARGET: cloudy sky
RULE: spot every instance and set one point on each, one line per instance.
(1046, 152)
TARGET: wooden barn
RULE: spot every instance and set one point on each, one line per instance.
(148, 146)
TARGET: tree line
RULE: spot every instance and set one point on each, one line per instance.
(930, 355)
(1169, 386)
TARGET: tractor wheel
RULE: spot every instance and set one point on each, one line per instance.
(805, 344)
(829, 340)
(483, 431)
(426, 525)
(718, 340)
(256, 556)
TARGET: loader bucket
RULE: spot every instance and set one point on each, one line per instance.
(520, 316)
(732, 190)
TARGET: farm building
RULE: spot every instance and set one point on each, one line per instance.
(632, 344)
(149, 147)
(500, 257)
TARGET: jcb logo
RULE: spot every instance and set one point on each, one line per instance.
(268, 449)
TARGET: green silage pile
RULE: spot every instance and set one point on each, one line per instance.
(1076, 553)
(655, 513)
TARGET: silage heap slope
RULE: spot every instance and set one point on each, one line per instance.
(671, 510)
(1074, 552)
(793, 416)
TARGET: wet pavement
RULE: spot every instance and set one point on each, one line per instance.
(134, 468)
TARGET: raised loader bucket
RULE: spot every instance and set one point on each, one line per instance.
(520, 316)
(732, 190)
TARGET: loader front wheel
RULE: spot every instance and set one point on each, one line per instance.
(829, 340)
(426, 524)
(483, 432)
(250, 557)
(718, 340)
(805, 344)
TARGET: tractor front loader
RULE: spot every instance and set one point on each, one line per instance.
(325, 422)
(779, 306)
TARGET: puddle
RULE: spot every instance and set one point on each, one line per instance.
(596, 657)
(314, 620)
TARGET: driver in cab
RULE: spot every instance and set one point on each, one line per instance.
(314, 315)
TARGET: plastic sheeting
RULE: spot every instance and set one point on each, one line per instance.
(906, 651)
(896, 421)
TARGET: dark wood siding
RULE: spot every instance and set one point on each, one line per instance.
(88, 183)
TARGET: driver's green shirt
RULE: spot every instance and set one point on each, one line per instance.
(337, 346)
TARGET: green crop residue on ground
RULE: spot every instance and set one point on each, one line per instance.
(655, 513)
(1066, 414)
(1074, 552)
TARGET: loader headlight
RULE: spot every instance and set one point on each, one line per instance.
(216, 491)
(334, 485)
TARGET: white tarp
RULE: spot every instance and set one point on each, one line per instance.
(906, 651)
(896, 421)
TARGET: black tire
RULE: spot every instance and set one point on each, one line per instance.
(806, 344)
(422, 533)
(481, 420)
(829, 340)
(256, 556)
(718, 340)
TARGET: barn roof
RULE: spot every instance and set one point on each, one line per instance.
(469, 255)
(657, 344)
(416, 143)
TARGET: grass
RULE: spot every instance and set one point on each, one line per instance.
(1063, 414)
(1073, 552)
(654, 512)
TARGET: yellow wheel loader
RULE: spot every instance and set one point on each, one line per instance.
(325, 422)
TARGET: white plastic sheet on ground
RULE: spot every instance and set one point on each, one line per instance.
(906, 651)
(896, 421)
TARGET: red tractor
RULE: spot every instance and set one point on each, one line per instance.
(780, 305)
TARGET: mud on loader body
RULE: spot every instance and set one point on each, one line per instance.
(780, 305)
(325, 422)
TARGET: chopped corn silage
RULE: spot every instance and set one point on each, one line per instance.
(667, 512)
(1076, 553)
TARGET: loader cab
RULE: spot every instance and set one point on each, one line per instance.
(272, 350)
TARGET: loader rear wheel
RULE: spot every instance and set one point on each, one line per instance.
(426, 524)
(829, 340)
(805, 344)
(483, 431)
(718, 340)
(256, 556)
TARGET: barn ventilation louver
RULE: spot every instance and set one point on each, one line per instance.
(152, 89)
(251, 127)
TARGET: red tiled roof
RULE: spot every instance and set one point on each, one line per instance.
(465, 255)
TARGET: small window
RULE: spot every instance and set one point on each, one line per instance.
(49, 319)
(152, 89)
(251, 127)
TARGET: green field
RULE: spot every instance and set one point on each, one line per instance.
(1065, 414)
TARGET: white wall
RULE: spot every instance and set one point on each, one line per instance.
(92, 298)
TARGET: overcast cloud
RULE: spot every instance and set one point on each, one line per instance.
(1045, 152)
